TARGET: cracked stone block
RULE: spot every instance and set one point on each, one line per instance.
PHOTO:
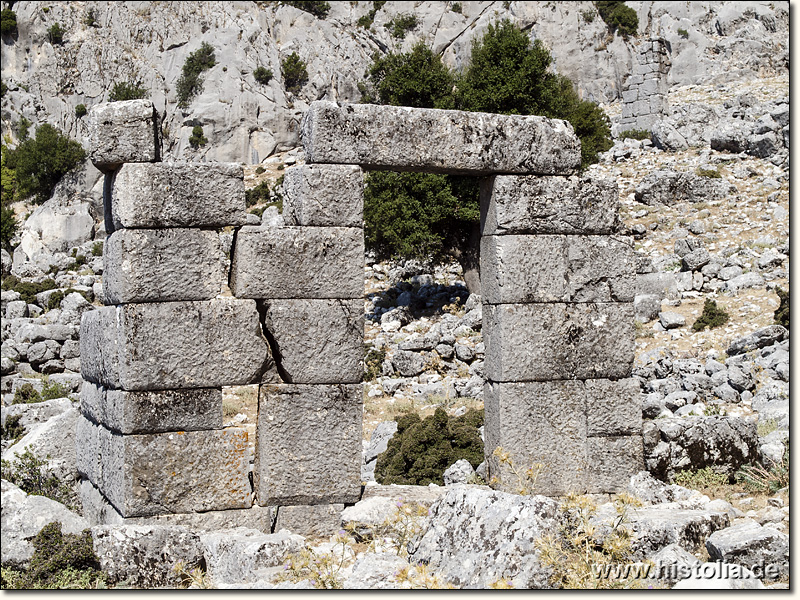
(317, 520)
(556, 268)
(324, 196)
(123, 132)
(175, 472)
(152, 411)
(176, 194)
(532, 205)
(317, 341)
(308, 449)
(174, 345)
(613, 460)
(543, 342)
(161, 265)
(298, 262)
(443, 141)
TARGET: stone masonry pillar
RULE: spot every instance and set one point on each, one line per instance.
(644, 102)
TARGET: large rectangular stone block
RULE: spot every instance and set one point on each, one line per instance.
(556, 268)
(324, 196)
(316, 520)
(160, 265)
(543, 342)
(154, 411)
(613, 407)
(317, 341)
(123, 132)
(298, 262)
(568, 205)
(174, 345)
(308, 449)
(178, 195)
(613, 461)
(446, 141)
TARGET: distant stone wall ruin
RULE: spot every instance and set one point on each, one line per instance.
(644, 102)
(283, 308)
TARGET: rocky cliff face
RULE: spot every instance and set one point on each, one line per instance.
(246, 121)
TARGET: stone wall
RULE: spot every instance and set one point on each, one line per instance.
(644, 102)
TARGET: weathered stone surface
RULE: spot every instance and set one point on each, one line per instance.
(368, 515)
(459, 472)
(152, 265)
(403, 138)
(375, 572)
(612, 462)
(296, 461)
(123, 132)
(568, 205)
(31, 415)
(421, 494)
(556, 268)
(720, 576)
(324, 196)
(178, 195)
(174, 345)
(153, 411)
(298, 262)
(143, 475)
(476, 537)
(613, 407)
(145, 556)
(317, 341)
(758, 339)
(669, 187)
(750, 545)
(542, 342)
(315, 520)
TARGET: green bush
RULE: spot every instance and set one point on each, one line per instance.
(80, 111)
(712, 316)
(26, 394)
(127, 90)
(293, 70)
(262, 75)
(618, 17)
(3, 89)
(366, 21)
(53, 391)
(264, 192)
(12, 430)
(54, 300)
(588, 16)
(55, 34)
(97, 249)
(8, 22)
(25, 471)
(782, 314)
(318, 9)
(768, 478)
(28, 289)
(373, 361)
(8, 226)
(91, 18)
(39, 163)
(197, 138)
(634, 134)
(683, 33)
(422, 449)
(710, 173)
(190, 83)
(402, 24)
(456, 7)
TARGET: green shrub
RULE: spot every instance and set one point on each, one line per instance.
(8, 22)
(701, 479)
(373, 361)
(28, 289)
(422, 449)
(190, 83)
(588, 16)
(402, 24)
(97, 249)
(456, 7)
(80, 111)
(54, 300)
(127, 90)
(766, 479)
(12, 430)
(8, 226)
(260, 169)
(264, 192)
(634, 134)
(712, 316)
(197, 138)
(618, 17)
(26, 394)
(262, 75)
(91, 18)
(318, 9)
(782, 314)
(25, 471)
(293, 70)
(366, 21)
(40, 163)
(3, 89)
(55, 34)
(710, 173)
(683, 33)
(53, 391)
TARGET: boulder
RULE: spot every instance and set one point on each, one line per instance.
(671, 187)
(758, 339)
(375, 572)
(123, 132)
(458, 472)
(763, 550)
(368, 515)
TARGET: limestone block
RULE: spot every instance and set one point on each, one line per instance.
(298, 262)
(178, 195)
(543, 342)
(613, 407)
(317, 341)
(175, 472)
(318, 520)
(308, 449)
(556, 268)
(446, 141)
(567, 205)
(123, 132)
(160, 265)
(613, 461)
(324, 196)
(174, 345)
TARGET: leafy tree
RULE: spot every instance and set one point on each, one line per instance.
(402, 24)
(55, 34)
(295, 75)
(8, 22)
(80, 111)
(618, 17)
(40, 162)
(197, 138)
(318, 9)
(190, 83)
(262, 75)
(127, 90)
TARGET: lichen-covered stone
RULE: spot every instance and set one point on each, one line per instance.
(556, 268)
(324, 196)
(178, 195)
(569, 205)
(123, 132)
(318, 520)
(613, 460)
(445, 141)
(174, 345)
(298, 262)
(542, 342)
(162, 265)
(308, 449)
(317, 341)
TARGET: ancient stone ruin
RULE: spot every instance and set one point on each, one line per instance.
(644, 102)
(283, 308)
